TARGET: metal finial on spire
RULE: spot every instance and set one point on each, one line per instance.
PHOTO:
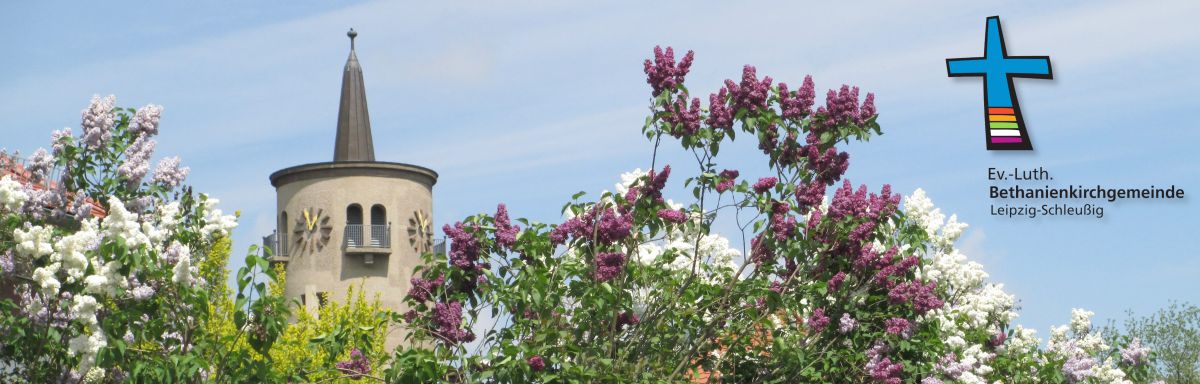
(352, 35)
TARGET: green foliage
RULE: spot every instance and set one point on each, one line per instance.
(311, 346)
(1173, 334)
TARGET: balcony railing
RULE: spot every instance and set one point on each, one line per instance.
(439, 246)
(17, 169)
(380, 236)
(281, 243)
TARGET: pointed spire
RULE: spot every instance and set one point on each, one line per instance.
(354, 125)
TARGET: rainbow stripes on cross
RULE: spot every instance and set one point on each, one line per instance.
(1003, 126)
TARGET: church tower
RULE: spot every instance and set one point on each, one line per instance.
(353, 220)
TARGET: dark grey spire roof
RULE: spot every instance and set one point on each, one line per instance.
(354, 125)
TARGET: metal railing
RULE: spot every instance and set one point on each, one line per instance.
(439, 246)
(380, 236)
(18, 168)
(281, 243)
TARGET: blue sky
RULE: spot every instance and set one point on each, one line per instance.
(528, 102)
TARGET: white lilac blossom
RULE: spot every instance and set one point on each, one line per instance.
(93, 375)
(12, 194)
(107, 279)
(216, 222)
(972, 304)
(141, 292)
(122, 224)
(628, 179)
(1107, 373)
(137, 161)
(169, 174)
(145, 120)
(1081, 321)
(182, 273)
(1082, 350)
(168, 215)
(1022, 340)
(84, 308)
(87, 346)
(45, 279)
(98, 119)
(69, 250)
(33, 241)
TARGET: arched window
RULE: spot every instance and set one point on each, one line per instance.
(379, 226)
(354, 226)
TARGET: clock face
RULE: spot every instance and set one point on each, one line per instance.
(312, 230)
(420, 232)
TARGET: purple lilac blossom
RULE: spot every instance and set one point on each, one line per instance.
(627, 318)
(1078, 368)
(998, 339)
(826, 166)
(6, 263)
(536, 363)
(727, 178)
(145, 120)
(357, 366)
(672, 215)
(847, 324)
(423, 289)
(898, 326)
(765, 184)
(137, 161)
(818, 321)
(447, 318)
(608, 228)
(880, 367)
(950, 367)
(783, 225)
(720, 116)
(59, 140)
(608, 265)
(98, 119)
(506, 232)
(868, 108)
(39, 165)
(835, 282)
(923, 297)
(751, 94)
(1135, 353)
(169, 174)
(809, 195)
(663, 74)
(465, 248)
(684, 120)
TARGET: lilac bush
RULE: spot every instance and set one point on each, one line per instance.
(832, 282)
(110, 277)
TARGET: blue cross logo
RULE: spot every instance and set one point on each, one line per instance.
(1004, 125)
